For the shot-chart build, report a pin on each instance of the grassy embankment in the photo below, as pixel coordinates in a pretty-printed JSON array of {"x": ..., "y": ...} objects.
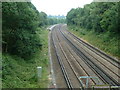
[
  {"x": 101, "y": 41},
  {"x": 18, "y": 73}
]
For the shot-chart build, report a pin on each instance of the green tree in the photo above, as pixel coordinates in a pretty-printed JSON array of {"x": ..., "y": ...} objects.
[{"x": 20, "y": 23}]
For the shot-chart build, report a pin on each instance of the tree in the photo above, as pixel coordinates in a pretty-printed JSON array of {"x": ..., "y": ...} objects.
[{"x": 20, "y": 23}]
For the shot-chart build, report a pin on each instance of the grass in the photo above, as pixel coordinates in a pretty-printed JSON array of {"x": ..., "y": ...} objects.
[
  {"x": 102, "y": 41},
  {"x": 18, "y": 73}
]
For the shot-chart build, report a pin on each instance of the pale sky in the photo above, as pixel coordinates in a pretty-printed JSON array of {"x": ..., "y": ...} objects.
[{"x": 58, "y": 7}]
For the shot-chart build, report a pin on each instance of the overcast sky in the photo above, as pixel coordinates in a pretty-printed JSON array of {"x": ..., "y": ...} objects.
[{"x": 58, "y": 7}]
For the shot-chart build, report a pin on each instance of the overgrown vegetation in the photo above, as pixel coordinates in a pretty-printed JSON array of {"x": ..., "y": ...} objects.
[
  {"x": 98, "y": 23},
  {"x": 18, "y": 73},
  {"x": 102, "y": 41},
  {"x": 24, "y": 45}
]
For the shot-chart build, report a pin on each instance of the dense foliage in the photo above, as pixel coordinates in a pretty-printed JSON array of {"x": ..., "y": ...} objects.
[
  {"x": 19, "y": 73},
  {"x": 20, "y": 22},
  {"x": 100, "y": 17}
]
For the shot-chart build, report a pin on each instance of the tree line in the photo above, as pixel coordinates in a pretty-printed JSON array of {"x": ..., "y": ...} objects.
[
  {"x": 101, "y": 17},
  {"x": 53, "y": 20}
]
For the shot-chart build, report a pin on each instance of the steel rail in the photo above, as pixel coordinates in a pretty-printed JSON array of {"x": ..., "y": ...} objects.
[
  {"x": 100, "y": 62},
  {"x": 101, "y": 73},
  {"x": 78, "y": 63},
  {"x": 70, "y": 63},
  {"x": 65, "y": 74}
]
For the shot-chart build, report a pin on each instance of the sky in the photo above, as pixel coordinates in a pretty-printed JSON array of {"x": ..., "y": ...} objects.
[{"x": 58, "y": 7}]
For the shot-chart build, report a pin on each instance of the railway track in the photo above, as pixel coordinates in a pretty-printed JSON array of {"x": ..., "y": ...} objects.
[
  {"x": 70, "y": 52},
  {"x": 58, "y": 36},
  {"x": 75, "y": 81},
  {"x": 75, "y": 60},
  {"x": 69, "y": 61},
  {"x": 100, "y": 72},
  {"x": 108, "y": 67},
  {"x": 65, "y": 74}
]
